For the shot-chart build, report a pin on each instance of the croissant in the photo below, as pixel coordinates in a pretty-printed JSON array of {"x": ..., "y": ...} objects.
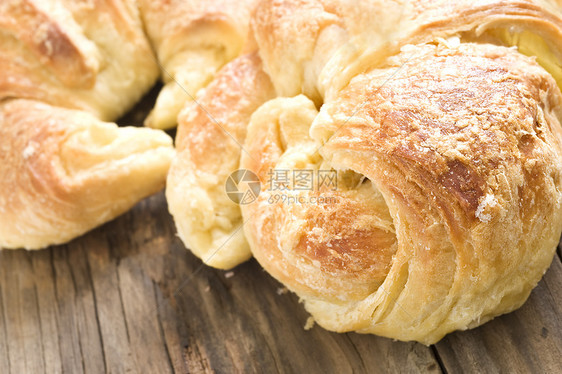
[
  {"x": 67, "y": 68},
  {"x": 73, "y": 54},
  {"x": 208, "y": 141},
  {"x": 193, "y": 40},
  {"x": 65, "y": 172},
  {"x": 439, "y": 125}
]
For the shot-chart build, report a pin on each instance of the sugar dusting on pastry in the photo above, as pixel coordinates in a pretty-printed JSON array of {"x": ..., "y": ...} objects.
[
  {"x": 488, "y": 201},
  {"x": 29, "y": 151}
]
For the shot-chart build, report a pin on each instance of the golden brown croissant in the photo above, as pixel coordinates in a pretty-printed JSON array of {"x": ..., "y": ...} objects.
[
  {"x": 75, "y": 54},
  {"x": 65, "y": 172},
  {"x": 66, "y": 66},
  {"x": 193, "y": 40},
  {"x": 444, "y": 138}
]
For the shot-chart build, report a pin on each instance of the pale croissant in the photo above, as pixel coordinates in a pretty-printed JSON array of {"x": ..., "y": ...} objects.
[
  {"x": 208, "y": 145},
  {"x": 441, "y": 121},
  {"x": 193, "y": 40}
]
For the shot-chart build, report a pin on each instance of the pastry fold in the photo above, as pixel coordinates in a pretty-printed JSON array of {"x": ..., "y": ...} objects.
[{"x": 447, "y": 210}]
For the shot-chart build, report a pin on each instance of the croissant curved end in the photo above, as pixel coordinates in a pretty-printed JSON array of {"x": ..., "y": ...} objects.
[{"x": 66, "y": 172}]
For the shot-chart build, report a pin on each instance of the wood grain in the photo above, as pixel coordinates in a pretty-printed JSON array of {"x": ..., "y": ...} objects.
[{"x": 128, "y": 298}]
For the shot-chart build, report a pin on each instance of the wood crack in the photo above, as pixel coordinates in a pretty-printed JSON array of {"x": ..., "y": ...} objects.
[
  {"x": 76, "y": 288},
  {"x": 57, "y": 300},
  {"x": 272, "y": 352},
  {"x": 356, "y": 351},
  {"x": 161, "y": 329},
  {"x": 96, "y": 313},
  {"x": 38, "y": 310},
  {"x": 438, "y": 359},
  {"x": 5, "y": 329},
  {"x": 122, "y": 304}
]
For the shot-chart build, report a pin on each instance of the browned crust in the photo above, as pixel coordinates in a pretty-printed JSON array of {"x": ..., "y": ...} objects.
[{"x": 48, "y": 41}]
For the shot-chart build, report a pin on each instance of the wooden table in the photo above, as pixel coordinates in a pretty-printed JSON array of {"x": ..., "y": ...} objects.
[{"x": 128, "y": 298}]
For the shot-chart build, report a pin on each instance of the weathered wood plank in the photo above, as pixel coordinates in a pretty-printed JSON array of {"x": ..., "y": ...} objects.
[
  {"x": 4, "y": 354},
  {"x": 528, "y": 340},
  {"x": 141, "y": 316},
  {"x": 249, "y": 326},
  {"x": 372, "y": 351},
  {"x": 174, "y": 334},
  {"x": 23, "y": 330},
  {"x": 117, "y": 353},
  {"x": 87, "y": 318},
  {"x": 129, "y": 298},
  {"x": 141, "y": 268},
  {"x": 43, "y": 275},
  {"x": 69, "y": 341}
]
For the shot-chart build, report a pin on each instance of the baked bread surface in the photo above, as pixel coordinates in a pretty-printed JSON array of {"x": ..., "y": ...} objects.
[
  {"x": 88, "y": 55},
  {"x": 208, "y": 143}
]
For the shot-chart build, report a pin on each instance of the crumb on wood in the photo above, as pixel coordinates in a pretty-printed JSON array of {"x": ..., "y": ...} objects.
[
  {"x": 207, "y": 289},
  {"x": 309, "y": 323},
  {"x": 282, "y": 290},
  {"x": 229, "y": 274}
]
